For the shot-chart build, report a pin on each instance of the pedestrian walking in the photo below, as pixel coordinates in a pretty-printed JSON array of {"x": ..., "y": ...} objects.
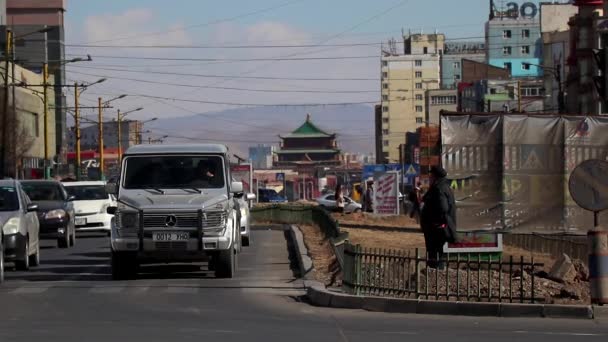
[
  {"x": 415, "y": 198},
  {"x": 369, "y": 198},
  {"x": 340, "y": 198},
  {"x": 438, "y": 216}
]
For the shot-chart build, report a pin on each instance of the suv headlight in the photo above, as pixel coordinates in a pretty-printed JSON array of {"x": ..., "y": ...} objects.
[
  {"x": 56, "y": 214},
  {"x": 11, "y": 226},
  {"x": 126, "y": 218}
]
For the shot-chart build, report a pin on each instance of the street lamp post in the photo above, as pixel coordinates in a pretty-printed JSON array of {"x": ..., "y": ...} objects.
[
  {"x": 77, "y": 87},
  {"x": 119, "y": 123}
]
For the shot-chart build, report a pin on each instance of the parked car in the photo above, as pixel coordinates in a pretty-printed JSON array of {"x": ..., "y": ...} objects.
[
  {"x": 20, "y": 227},
  {"x": 270, "y": 196},
  {"x": 328, "y": 201},
  {"x": 243, "y": 200},
  {"x": 55, "y": 210},
  {"x": 91, "y": 205}
]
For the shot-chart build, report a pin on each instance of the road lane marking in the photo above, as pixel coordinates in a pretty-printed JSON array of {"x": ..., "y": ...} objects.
[
  {"x": 106, "y": 289},
  {"x": 555, "y": 333},
  {"x": 30, "y": 290}
]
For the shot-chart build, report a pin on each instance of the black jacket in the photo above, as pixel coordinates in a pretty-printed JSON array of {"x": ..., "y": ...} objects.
[{"x": 440, "y": 208}]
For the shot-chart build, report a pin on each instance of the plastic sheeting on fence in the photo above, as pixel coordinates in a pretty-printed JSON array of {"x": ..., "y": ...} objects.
[{"x": 510, "y": 172}]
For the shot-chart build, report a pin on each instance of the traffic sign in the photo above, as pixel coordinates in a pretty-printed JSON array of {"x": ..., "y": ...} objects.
[{"x": 411, "y": 171}]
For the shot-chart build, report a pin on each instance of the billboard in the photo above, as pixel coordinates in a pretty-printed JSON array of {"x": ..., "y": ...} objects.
[
  {"x": 386, "y": 193},
  {"x": 243, "y": 173}
]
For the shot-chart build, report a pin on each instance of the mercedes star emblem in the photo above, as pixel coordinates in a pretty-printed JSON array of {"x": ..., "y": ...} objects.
[{"x": 171, "y": 221}]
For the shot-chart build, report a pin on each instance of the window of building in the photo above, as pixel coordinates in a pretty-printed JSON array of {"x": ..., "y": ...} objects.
[
  {"x": 525, "y": 33},
  {"x": 419, "y": 120},
  {"x": 385, "y": 143},
  {"x": 525, "y": 66},
  {"x": 525, "y": 50},
  {"x": 443, "y": 100},
  {"x": 384, "y": 85},
  {"x": 492, "y": 91},
  {"x": 508, "y": 66},
  {"x": 418, "y": 63},
  {"x": 425, "y": 50},
  {"x": 385, "y": 109},
  {"x": 418, "y": 74},
  {"x": 384, "y": 97},
  {"x": 384, "y": 74},
  {"x": 418, "y": 85},
  {"x": 418, "y": 97},
  {"x": 531, "y": 91},
  {"x": 384, "y": 120},
  {"x": 385, "y": 154},
  {"x": 384, "y": 63},
  {"x": 456, "y": 77},
  {"x": 456, "y": 65},
  {"x": 385, "y": 132},
  {"x": 419, "y": 109},
  {"x": 506, "y": 50},
  {"x": 506, "y": 34}
]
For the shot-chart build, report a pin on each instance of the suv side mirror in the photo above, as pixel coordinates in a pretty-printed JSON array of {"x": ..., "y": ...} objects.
[
  {"x": 32, "y": 207},
  {"x": 71, "y": 198},
  {"x": 236, "y": 187}
]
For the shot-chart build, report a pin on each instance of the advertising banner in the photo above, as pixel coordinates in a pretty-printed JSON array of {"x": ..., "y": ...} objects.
[
  {"x": 243, "y": 173},
  {"x": 386, "y": 193}
]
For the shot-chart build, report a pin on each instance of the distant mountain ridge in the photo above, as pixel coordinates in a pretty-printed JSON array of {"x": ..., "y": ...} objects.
[{"x": 241, "y": 128}]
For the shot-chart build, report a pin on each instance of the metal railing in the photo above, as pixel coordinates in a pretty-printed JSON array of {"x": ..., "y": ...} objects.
[{"x": 465, "y": 277}]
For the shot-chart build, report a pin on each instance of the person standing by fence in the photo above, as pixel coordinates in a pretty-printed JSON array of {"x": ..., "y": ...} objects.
[
  {"x": 340, "y": 198},
  {"x": 368, "y": 201},
  {"x": 438, "y": 216}
]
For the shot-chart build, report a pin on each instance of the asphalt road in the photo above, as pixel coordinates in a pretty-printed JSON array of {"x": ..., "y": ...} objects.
[{"x": 71, "y": 297}]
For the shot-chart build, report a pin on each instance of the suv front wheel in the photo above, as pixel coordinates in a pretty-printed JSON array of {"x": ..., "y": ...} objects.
[
  {"x": 225, "y": 264},
  {"x": 124, "y": 265}
]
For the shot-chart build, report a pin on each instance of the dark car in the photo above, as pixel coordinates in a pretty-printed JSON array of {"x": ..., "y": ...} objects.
[
  {"x": 270, "y": 196},
  {"x": 55, "y": 211}
]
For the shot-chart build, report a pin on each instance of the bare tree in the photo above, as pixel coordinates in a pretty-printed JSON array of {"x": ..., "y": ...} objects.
[{"x": 19, "y": 143}]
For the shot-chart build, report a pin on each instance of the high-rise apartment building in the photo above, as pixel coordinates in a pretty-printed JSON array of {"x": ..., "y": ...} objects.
[{"x": 405, "y": 79}]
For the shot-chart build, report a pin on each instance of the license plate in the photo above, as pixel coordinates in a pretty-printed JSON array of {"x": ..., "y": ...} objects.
[
  {"x": 81, "y": 221},
  {"x": 170, "y": 236}
]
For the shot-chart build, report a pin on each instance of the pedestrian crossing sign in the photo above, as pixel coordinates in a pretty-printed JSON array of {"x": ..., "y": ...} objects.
[
  {"x": 411, "y": 171},
  {"x": 531, "y": 160}
]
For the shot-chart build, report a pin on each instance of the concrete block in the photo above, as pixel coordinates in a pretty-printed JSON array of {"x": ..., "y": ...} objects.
[
  {"x": 319, "y": 296},
  {"x": 568, "y": 311},
  {"x": 563, "y": 270},
  {"x": 407, "y": 306},
  {"x": 521, "y": 310},
  {"x": 428, "y": 307},
  {"x": 479, "y": 309},
  {"x": 600, "y": 312},
  {"x": 342, "y": 301}
]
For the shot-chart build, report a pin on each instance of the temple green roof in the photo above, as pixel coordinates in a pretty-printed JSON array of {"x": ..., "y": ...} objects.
[{"x": 308, "y": 130}]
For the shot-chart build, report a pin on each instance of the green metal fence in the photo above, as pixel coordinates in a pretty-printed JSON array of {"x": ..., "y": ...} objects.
[
  {"x": 297, "y": 214},
  {"x": 412, "y": 274}
]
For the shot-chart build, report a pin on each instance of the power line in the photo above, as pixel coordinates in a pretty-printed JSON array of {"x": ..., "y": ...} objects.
[{"x": 230, "y": 60}]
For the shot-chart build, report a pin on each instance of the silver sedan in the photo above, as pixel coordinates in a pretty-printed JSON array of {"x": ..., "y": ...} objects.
[{"x": 328, "y": 201}]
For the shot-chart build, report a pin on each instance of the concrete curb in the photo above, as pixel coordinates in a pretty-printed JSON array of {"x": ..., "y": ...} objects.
[
  {"x": 319, "y": 295},
  {"x": 380, "y": 228},
  {"x": 304, "y": 260}
]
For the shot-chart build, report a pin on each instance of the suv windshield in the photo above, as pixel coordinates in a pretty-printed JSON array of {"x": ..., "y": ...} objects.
[
  {"x": 174, "y": 172},
  {"x": 8, "y": 199},
  {"x": 43, "y": 192},
  {"x": 87, "y": 192}
]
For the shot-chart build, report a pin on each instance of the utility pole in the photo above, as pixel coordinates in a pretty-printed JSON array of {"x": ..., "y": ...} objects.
[
  {"x": 118, "y": 120},
  {"x": 77, "y": 130},
  {"x": 519, "y": 96},
  {"x": 7, "y": 55},
  {"x": 45, "y": 76},
  {"x": 101, "y": 160},
  {"x": 561, "y": 106}
]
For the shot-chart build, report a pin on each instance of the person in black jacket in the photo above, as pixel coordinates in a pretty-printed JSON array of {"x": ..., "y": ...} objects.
[{"x": 438, "y": 216}]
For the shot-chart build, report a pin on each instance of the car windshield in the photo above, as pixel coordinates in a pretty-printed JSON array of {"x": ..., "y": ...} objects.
[
  {"x": 8, "y": 199},
  {"x": 174, "y": 172},
  {"x": 87, "y": 192},
  {"x": 43, "y": 192}
]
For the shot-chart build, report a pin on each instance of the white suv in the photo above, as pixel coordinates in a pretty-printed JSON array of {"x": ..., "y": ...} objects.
[{"x": 175, "y": 203}]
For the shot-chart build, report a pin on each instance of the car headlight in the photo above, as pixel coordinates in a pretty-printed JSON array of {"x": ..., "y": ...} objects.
[
  {"x": 55, "y": 214},
  {"x": 126, "y": 218},
  {"x": 104, "y": 209},
  {"x": 11, "y": 226}
]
